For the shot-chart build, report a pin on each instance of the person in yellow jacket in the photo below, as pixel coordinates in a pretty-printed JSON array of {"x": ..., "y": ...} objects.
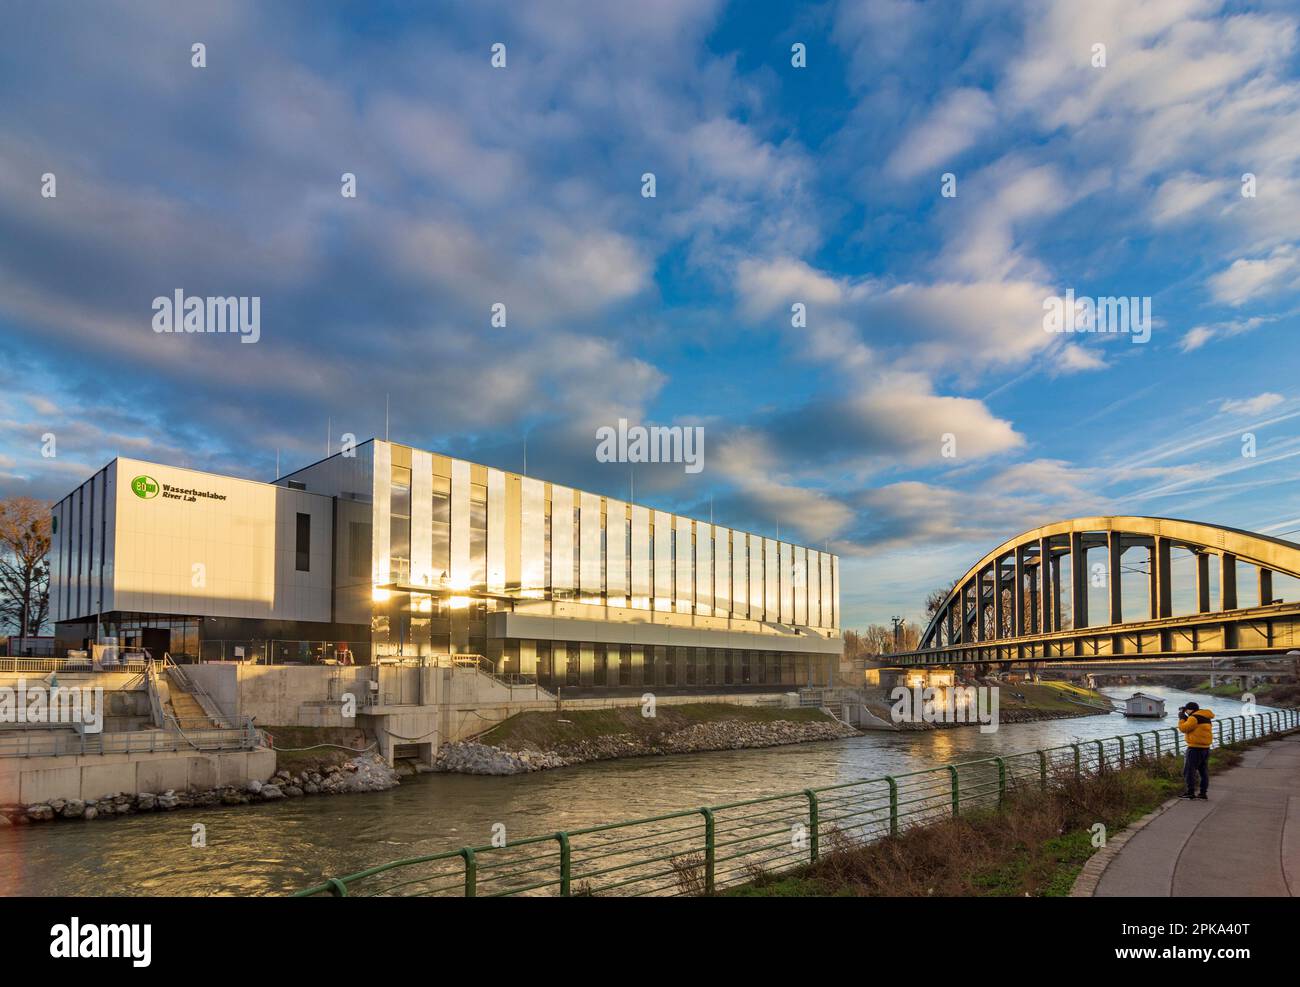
[{"x": 1196, "y": 726}]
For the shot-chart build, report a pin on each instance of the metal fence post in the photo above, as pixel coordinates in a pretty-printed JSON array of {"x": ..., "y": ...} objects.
[
  {"x": 1142, "y": 748},
  {"x": 1042, "y": 770},
  {"x": 1101, "y": 756},
  {"x": 566, "y": 875},
  {"x": 956, "y": 797},
  {"x": 471, "y": 873},
  {"x": 893, "y": 805},
  {"x": 1078, "y": 767},
  {"x": 1156, "y": 734},
  {"x": 708, "y": 850},
  {"x": 1121, "y": 751},
  {"x": 813, "y": 847},
  {"x": 1002, "y": 780}
]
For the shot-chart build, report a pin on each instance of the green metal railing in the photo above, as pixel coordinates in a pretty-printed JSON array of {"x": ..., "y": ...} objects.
[{"x": 699, "y": 851}]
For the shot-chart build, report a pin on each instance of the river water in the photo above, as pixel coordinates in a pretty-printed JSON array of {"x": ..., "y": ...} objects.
[{"x": 274, "y": 848}]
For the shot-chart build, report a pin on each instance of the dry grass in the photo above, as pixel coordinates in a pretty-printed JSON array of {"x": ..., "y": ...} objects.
[{"x": 1035, "y": 845}]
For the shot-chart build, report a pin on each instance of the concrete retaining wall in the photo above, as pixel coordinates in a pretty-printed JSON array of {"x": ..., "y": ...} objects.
[{"x": 92, "y": 776}]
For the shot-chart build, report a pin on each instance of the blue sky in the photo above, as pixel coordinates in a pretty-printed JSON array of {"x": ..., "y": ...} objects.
[{"x": 776, "y": 185}]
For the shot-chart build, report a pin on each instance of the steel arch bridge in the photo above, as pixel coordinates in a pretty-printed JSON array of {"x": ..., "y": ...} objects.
[{"x": 1010, "y": 605}]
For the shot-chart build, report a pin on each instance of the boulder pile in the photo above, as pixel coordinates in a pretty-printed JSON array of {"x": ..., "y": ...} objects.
[{"x": 469, "y": 757}]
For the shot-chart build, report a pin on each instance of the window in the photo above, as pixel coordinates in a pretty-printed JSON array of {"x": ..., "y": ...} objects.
[
  {"x": 546, "y": 550},
  {"x": 441, "y": 528},
  {"x": 399, "y": 529},
  {"x": 302, "y": 543},
  {"x": 478, "y": 524}
]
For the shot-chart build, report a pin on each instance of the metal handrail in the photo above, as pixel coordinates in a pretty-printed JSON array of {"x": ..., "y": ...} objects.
[
  {"x": 200, "y": 694},
  {"x": 51, "y": 743},
  {"x": 702, "y": 850}
]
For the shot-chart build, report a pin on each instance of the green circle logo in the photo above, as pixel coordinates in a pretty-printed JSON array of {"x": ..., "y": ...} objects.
[{"x": 144, "y": 487}]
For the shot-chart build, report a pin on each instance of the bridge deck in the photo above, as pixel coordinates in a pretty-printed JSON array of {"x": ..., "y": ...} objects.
[{"x": 1243, "y": 842}]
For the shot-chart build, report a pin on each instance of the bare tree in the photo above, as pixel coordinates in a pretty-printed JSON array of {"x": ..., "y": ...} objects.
[{"x": 24, "y": 564}]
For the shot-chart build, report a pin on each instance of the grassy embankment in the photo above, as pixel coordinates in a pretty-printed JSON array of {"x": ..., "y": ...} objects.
[
  {"x": 1282, "y": 694},
  {"x": 1049, "y": 697},
  {"x": 1027, "y": 701},
  {"x": 556, "y": 731},
  {"x": 301, "y": 749},
  {"x": 1035, "y": 845}
]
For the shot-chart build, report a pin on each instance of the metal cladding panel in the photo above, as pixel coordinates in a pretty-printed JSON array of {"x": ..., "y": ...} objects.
[
  {"x": 739, "y": 574},
  {"x": 461, "y": 574},
  {"x": 382, "y": 513},
  {"x": 835, "y": 591},
  {"x": 496, "y": 532},
  {"x": 532, "y": 541},
  {"x": 421, "y": 517},
  {"x": 772, "y": 578},
  {"x": 616, "y": 549},
  {"x": 642, "y": 587},
  {"x": 722, "y": 571},
  {"x": 757, "y": 598},
  {"x": 590, "y": 564},
  {"x": 663, "y": 560},
  {"x": 828, "y": 592},
  {"x": 704, "y": 569},
  {"x": 800, "y": 584},
  {"x": 685, "y": 602},
  {"x": 787, "y": 583},
  {"x": 815, "y": 588},
  {"x": 561, "y": 539}
]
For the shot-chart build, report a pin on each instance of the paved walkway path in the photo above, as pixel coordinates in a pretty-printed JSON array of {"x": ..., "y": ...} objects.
[{"x": 1243, "y": 842}]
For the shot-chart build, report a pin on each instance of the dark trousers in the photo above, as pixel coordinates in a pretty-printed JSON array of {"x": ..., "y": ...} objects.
[{"x": 1198, "y": 762}]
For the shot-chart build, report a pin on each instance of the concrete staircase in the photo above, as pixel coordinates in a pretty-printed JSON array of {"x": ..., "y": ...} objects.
[{"x": 190, "y": 714}]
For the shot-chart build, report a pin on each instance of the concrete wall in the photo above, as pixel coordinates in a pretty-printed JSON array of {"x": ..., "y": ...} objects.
[
  {"x": 282, "y": 695},
  {"x": 91, "y": 776}
]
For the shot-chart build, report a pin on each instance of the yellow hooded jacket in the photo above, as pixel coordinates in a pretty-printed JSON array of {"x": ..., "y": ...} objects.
[{"x": 1198, "y": 729}]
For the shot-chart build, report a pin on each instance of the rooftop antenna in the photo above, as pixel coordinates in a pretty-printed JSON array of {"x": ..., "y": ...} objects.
[
  {"x": 631, "y": 484},
  {"x": 277, "y": 463},
  {"x": 710, "y": 508}
]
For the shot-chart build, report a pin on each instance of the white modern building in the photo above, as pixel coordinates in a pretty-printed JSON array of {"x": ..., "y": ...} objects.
[{"x": 390, "y": 551}]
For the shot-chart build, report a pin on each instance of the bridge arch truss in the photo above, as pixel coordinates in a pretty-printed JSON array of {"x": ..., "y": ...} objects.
[{"x": 1010, "y": 605}]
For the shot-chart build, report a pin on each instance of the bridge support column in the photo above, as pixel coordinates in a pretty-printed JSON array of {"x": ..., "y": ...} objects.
[
  {"x": 1056, "y": 592},
  {"x": 1265, "y": 586},
  {"x": 1228, "y": 581},
  {"x": 1161, "y": 579},
  {"x": 1045, "y": 584},
  {"x": 1202, "y": 582},
  {"x": 1115, "y": 573},
  {"x": 1018, "y": 596},
  {"x": 1079, "y": 579}
]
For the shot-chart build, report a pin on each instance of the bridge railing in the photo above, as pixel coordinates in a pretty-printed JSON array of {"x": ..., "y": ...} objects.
[{"x": 700, "y": 851}]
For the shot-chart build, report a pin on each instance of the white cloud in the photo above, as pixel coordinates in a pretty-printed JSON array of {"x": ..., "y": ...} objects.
[
  {"x": 1245, "y": 279},
  {"x": 1257, "y": 405},
  {"x": 1073, "y": 359},
  {"x": 956, "y": 122}
]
